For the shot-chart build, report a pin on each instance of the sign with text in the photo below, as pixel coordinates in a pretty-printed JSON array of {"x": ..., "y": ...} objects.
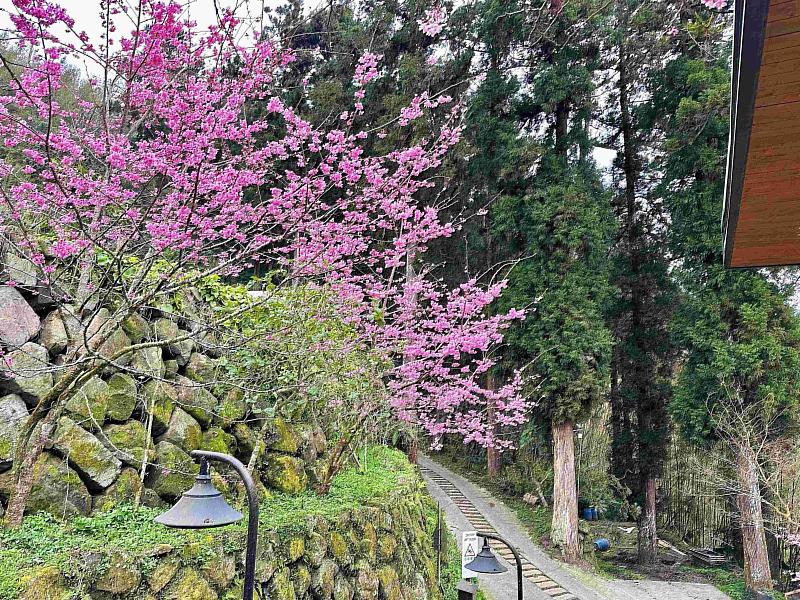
[{"x": 470, "y": 546}]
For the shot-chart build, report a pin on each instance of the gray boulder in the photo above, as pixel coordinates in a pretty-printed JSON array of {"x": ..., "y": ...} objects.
[
  {"x": 136, "y": 328},
  {"x": 13, "y": 413},
  {"x": 195, "y": 399},
  {"x": 159, "y": 398},
  {"x": 19, "y": 269},
  {"x": 147, "y": 362},
  {"x": 56, "y": 489},
  {"x": 54, "y": 333},
  {"x": 89, "y": 403},
  {"x": 183, "y": 431},
  {"x": 121, "y": 397},
  {"x": 200, "y": 368},
  {"x": 18, "y": 322},
  {"x": 96, "y": 465},
  {"x": 174, "y": 472},
  {"x": 128, "y": 442},
  {"x": 28, "y": 373},
  {"x": 101, "y": 325}
]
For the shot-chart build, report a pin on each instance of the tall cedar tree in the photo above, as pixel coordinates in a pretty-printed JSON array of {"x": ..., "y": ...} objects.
[
  {"x": 741, "y": 337},
  {"x": 643, "y": 360},
  {"x": 565, "y": 224}
]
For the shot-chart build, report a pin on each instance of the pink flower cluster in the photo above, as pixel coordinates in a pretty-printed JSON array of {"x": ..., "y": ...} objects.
[
  {"x": 433, "y": 22},
  {"x": 195, "y": 159},
  {"x": 715, "y": 4}
]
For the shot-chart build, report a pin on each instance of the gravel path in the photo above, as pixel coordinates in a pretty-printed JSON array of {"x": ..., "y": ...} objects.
[{"x": 470, "y": 508}]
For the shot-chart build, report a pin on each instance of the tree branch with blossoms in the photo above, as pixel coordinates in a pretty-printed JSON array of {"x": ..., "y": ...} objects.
[{"x": 181, "y": 162}]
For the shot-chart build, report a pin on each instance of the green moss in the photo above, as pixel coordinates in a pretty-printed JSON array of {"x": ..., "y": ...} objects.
[
  {"x": 287, "y": 440},
  {"x": 193, "y": 587},
  {"x": 339, "y": 548},
  {"x": 285, "y": 473},
  {"x": 216, "y": 440}
]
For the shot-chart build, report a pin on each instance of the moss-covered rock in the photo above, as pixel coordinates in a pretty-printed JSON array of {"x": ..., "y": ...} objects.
[
  {"x": 217, "y": 440},
  {"x": 122, "y": 491},
  {"x": 301, "y": 579},
  {"x": 295, "y": 548},
  {"x": 165, "y": 329},
  {"x": 171, "y": 368},
  {"x": 245, "y": 437},
  {"x": 121, "y": 397},
  {"x": 117, "y": 340},
  {"x": 338, "y": 548},
  {"x": 89, "y": 403},
  {"x": 316, "y": 549},
  {"x": 280, "y": 586},
  {"x": 285, "y": 473},
  {"x": 136, "y": 328},
  {"x": 27, "y": 373},
  {"x": 285, "y": 438},
  {"x": 121, "y": 576},
  {"x": 174, "y": 471},
  {"x": 196, "y": 399},
  {"x": 159, "y": 398},
  {"x": 387, "y": 544},
  {"x": 44, "y": 583},
  {"x": 96, "y": 465},
  {"x": 367, "y": 583},
  {"x": 183, "y": 431},
  {"x": 220, "y": 569},
  {"x": 323, "y": 580},
  {"x": 200, "y": 368},
  {"x": 232, "y": 408},
  {"x": 13, "y": 413},
  {"x": 369, "y": 541},
  {"x": 342, "y": 589},
  {"x": 192, "y": 586},
  {"x": 162, "y": 574},
  {"x": 128, "y": 442},
  {"x": 148, "y": 363},
  {"x": 390, "y": 588},
  {"x": 57, "y": 489}
]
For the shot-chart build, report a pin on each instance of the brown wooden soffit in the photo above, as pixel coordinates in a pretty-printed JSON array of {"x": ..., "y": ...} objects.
[{"x": 761, "y": 215}]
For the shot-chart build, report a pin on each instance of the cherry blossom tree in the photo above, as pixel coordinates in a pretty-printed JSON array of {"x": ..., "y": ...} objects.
[{"x": 176, "y": 160}]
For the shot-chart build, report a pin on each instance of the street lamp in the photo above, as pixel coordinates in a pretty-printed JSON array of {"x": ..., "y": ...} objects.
[
  {"x": 203, "y": 506},
  {"x": 486, "y": 562}
]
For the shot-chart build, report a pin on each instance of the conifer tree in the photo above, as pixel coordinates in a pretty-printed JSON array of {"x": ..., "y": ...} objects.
[{"x": 740, "y": 335}]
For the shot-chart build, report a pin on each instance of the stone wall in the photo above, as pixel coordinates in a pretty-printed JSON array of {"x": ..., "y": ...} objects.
[
  {"x": 378, "y": 551},
  {"x": 164, "y": 401}
]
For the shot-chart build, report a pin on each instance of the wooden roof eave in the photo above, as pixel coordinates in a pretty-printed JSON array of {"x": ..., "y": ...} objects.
[{"x": 748, "y": 44}]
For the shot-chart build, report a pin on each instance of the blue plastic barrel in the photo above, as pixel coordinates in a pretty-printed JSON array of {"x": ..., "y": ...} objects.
[
  {"x": 602, "y": 545},
  {"x": 595, "y": 514},
  {"x": 587, "y": 514}
]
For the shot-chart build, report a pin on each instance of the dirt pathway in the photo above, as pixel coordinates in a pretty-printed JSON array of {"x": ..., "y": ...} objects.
[{"x": 468, "y": 507}]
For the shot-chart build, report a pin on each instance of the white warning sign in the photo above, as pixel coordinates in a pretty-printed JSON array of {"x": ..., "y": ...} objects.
[{"x": 470, "y": 546}]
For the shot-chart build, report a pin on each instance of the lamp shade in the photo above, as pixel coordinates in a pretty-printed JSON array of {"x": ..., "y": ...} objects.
[
  {"x": 486, "y": 561},
  {"x": 202, "y": 506}
]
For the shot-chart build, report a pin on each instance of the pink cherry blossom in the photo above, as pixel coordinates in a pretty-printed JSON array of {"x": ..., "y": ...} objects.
[
  {"x": 433, "y": 22},
  {"x": 180, "y": 170}
]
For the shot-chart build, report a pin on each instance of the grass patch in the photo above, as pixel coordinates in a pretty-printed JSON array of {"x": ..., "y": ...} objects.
[{"x": 43, "y": 540}]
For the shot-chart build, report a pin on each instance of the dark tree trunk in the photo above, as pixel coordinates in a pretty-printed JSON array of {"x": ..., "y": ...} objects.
[
  {"x": 648, "y": 534},
  {"x": 757, "y": 574},
  {"x": 564, "y": 531},
  {"x": 492, "y": 455}
]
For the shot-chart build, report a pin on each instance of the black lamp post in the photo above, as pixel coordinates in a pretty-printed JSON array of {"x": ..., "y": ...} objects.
[
  {"x": 486, "y": 562},
  {"x": 204, "y": 506}
]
